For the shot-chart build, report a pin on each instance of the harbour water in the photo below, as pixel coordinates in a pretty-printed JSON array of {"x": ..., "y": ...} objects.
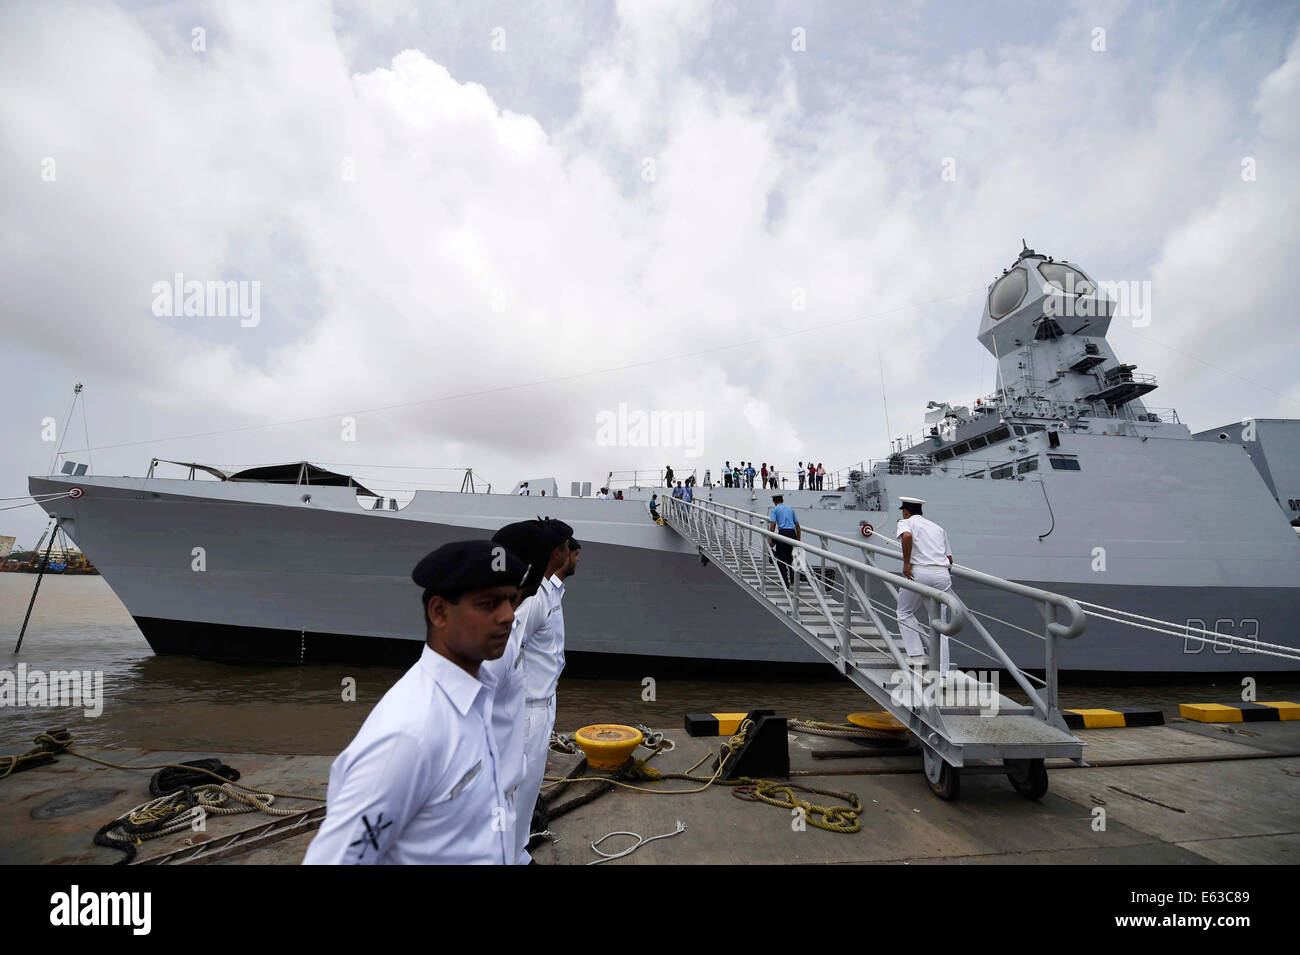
[{"x": 183, "y": 703}]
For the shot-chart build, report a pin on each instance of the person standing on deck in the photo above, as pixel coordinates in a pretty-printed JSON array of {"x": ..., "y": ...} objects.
[
  {"x": 543, "y": 661},
  {"x": 783, "y": 521},
  {"x": 424, "y": 780},
  {"x": 926, "y": 559}
]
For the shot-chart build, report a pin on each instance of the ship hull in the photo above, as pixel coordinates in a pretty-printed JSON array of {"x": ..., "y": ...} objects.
[{"x": 255, "y": 572}]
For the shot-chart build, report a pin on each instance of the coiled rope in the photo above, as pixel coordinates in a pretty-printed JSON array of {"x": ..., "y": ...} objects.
[
  {"x": 829, "y": 818},
  {"x": 640, "y": 841},
  {"x": 182, "y": 796}
]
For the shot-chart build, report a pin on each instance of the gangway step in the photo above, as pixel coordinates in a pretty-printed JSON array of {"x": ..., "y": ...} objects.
[{"x": 1007, "y": 729}]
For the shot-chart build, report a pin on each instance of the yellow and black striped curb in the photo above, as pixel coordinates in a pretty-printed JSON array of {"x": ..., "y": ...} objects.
[
  {"x": 1096, "y": 719},
  {"x": 1239, "y": 712},
  {"x": 713, "y": 724}
]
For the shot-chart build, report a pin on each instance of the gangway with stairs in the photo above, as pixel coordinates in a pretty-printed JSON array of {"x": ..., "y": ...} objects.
[{"x": 964, "y": 724}]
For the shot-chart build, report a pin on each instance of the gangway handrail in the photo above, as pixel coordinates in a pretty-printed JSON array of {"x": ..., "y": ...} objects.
[
  {"x": 1078, "y": 619},
  {"x": 1047, "y": 708},
  {"x": 956, "y": 608},
  {"x": 694, "y": 514}
]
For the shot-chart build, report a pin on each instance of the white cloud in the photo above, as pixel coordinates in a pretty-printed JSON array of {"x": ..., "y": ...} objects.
[{"x": 381, "y": 291}]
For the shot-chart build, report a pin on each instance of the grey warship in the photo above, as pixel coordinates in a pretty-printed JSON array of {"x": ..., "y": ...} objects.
[{"x": 1064, "y": 478}]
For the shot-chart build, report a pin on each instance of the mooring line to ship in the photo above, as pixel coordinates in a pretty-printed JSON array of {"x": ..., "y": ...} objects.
[
  {"x": 1189, "y": 632},
  {"x": 47, "y": 498}
]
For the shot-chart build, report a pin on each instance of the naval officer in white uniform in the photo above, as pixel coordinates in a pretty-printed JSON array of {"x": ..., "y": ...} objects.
[
  {"x": 926, "y": 559},
  {"x": 423, "y": 782},
  {"x": 535, "y": 541},
  {"x": 543, "y": 664}
]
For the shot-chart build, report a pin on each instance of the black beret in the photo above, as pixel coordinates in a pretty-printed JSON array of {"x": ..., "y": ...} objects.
[
  {"x": 469, "y": 565},
  {"x": 525, "y": 538},
  {"x": 556, "y": 531},
  {"x": 528, "y": 539}
]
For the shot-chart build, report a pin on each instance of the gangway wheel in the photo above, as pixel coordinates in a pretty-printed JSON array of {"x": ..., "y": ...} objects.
[
  {"x": 1028, "y": 776},
  {"x": 944, "y": 780}
]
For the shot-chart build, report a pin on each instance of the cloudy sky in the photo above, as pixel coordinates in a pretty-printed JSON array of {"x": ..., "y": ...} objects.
[{"x": 475, "y": 227}]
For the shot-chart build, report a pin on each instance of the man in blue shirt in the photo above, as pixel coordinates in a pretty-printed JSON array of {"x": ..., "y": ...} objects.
[
  {"x": 782, "y": 521},
  {"x": 687, "y": 493}
]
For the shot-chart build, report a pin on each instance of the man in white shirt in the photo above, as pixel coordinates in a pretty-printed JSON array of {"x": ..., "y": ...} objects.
[
  {"x": 926, "y": 559},
  {"x": 543, "y": 664},
  {"x": 423, "y": 780},
  {"x": 540, "y": 544},
  {"x": 523, "y": 489}
]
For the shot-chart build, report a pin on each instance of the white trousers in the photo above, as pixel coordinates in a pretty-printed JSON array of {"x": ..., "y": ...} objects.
[
  {"x": 539, "y": 720},
  {"x": 909, "y": 602}
]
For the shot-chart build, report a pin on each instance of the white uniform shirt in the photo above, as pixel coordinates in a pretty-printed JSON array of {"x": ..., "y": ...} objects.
[
  {"x": 544, "y": 656},
  {"x": 421, "y": 783},
  {"x": 507, "y": 676},
  {"x": 929, "y": 541}
]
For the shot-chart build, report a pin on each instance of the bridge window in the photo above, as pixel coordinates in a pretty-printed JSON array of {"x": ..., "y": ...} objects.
[
  {"x": 1027, "y": 464},
  {"x": 978, "y": 442},
  {"x": 1002, "y": 471},
  {"x": 1064, "y": 462},
  {"x": 1007, "y": 293},
  {"x": 943, "y": 455},
  {"x": 999, "y": 434}
]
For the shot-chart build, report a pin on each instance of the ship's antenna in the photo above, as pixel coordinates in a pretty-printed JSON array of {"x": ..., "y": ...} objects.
[
  {"x": 889, "y": 434},
  {"x": 85, "y": 428},
  {"x": 63, "y": 429}
]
